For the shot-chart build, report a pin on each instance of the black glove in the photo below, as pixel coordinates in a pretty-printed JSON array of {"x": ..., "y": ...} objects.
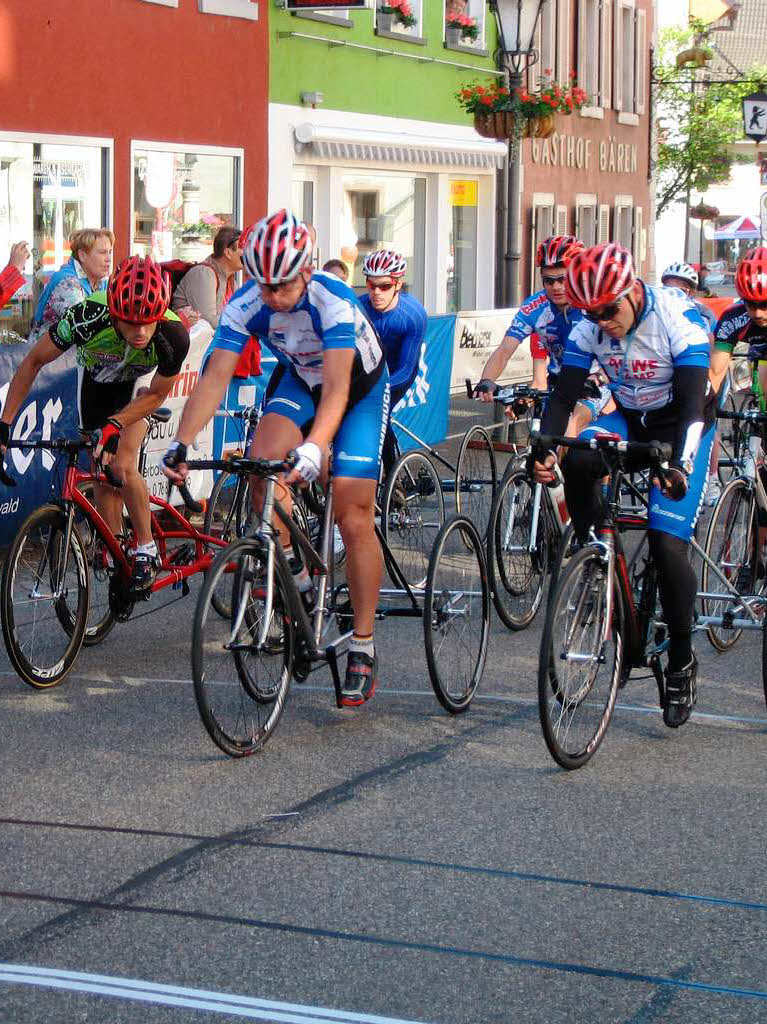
[
  {"x": 676, "y": 482},
  {"x": 108, "y": 437},
  {"x": 5, "y": 434},
  {"x": 175, "y": 455},
  {"x": 485, "y": 387}
]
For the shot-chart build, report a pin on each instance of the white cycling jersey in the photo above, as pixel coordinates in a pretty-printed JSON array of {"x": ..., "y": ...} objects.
[{"x": 639, "y": 368}]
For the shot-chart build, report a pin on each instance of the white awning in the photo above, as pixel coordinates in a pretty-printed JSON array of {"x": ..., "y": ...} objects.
[{"x": 466, "y": 149}]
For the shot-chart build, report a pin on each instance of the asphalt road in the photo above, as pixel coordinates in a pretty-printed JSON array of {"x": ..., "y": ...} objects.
[{"x": 390, "y": 863}]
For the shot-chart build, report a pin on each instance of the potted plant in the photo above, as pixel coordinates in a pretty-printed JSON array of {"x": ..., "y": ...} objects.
[
  {"x": 460, "y": 27},
  {"x": 393, "y": 13},
  {"x": 522, "y": 112}
]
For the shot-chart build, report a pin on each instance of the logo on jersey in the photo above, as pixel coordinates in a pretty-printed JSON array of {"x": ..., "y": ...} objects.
[{"x": 64, "y": 331}]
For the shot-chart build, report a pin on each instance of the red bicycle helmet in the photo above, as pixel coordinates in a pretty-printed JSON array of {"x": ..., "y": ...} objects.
[
  {"x": 278, "y": 248},
  {"x": 599, "y": 275},
  {"x": 751, "y": 276},
  {"x": 138, "y": 291},
  {"x": 383, "y": 262},
  {"x": 559, "y": 249}
]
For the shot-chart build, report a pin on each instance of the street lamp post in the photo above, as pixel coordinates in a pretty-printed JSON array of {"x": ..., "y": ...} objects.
[{"x": 517, "y": 21}]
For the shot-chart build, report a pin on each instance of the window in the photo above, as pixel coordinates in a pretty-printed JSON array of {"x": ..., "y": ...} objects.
[
  {"x": 552, "y": 41},
  {"x": 47, "y": 191},
  {"x": 232, "y": 8},
  {"x": 462, "y": 259},
  {"x": 595, "y": 61},
  {"x": 473, "y": 9},
  {"x": 389, "y": 23},
  {"x": 542, "y": 225},
  {"x": 386, "y": 211},
  {"x": 623, "y": 224},
  {"x": 181, "y": 198},
  {"x": 586, "y": 218},
  {"x": 630, "y": 78}
]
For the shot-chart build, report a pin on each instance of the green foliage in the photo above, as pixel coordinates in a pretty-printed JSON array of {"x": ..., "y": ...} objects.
[{"x": 698, "y": 122}]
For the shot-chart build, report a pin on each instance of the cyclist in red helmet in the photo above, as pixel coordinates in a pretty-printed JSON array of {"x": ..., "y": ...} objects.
[
  {"x": 745, "y": 321},
  {"x": 653, "y": 346},
  {"x": 120, "y": 335}
]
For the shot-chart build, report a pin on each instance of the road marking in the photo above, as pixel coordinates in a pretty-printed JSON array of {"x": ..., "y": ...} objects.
[{"x": 194, "y": 998}]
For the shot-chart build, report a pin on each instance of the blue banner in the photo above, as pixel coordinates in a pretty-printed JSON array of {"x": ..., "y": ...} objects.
[{"x": 425, "y": 407}]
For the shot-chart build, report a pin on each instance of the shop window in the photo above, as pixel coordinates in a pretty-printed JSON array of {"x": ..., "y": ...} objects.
[
  {"x": 386, "y": 211},
  {"x": 586, "y": 219},
  {"x": 181, "y": 198},
  {"x": 47, "y": 191},
  {"x": 462, "y": 259},
  {"x": 231, "y": 8}
]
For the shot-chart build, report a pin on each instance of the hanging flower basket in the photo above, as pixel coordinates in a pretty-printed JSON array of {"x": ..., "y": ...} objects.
[
  {"x": 540, "y": 127},
  {"x": 497, "y": 124}
]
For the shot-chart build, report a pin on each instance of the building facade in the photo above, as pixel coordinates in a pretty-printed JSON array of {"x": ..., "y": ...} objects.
[
  {"x": 592, "y": 177},
  {"x": 367, "y": 141},
  {"x": 143, "y": 130}
]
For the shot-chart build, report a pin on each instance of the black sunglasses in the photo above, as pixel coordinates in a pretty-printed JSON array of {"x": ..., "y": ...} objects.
[
  {"x": 552, "y": 280},
  {"x": 755, "y": 305},
  {"x": 597, "y": 316}
]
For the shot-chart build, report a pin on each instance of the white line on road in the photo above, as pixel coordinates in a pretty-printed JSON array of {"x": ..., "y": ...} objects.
[{"x": 197, "y": 999}]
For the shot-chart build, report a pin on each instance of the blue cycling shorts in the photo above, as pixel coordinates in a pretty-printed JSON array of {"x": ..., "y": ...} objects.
[
  {"x": 359, "y": 439},
  {"x": 665, "y": 515}
]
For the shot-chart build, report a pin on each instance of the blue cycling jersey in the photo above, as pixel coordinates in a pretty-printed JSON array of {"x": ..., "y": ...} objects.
[
  {"x": 328, "y": 316},
  {"x": 401, "y": 331},
  {"x": 538, "y": 315}
]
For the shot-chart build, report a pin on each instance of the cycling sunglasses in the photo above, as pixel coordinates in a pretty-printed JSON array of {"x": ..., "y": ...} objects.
[
  {"x": 552, "y": 280},
  {"x": 598, "y": 316},
  {"x": 379, "y": 287},
  {"x": 756, "y": 305}
]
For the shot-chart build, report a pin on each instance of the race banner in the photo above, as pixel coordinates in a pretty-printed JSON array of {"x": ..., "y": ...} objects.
[
  {"x": 477, "y": 336},
  {"x": 424, "y": 408}
]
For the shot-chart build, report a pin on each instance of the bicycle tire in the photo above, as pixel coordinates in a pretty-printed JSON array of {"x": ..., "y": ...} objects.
[
  {"x": 240, "y": 693},
  {"x": 729, "y": 442},
  {"x": 31, "y": 572},
  {"x": 457, "y": 601},
  {"x": 412, "y": 513},
  {"x": 476, "y": 478},
  {"x": 517, "y": 577},
  {"x": 732, "y": 544},
  {"x": 101, "y": 618},
  {"x": 574, "y": 718}
]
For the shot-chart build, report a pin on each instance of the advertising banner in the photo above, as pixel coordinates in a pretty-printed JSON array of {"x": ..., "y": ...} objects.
[
  {"x": 477, "y": 335},
  {"x": 423, "y": 409}
]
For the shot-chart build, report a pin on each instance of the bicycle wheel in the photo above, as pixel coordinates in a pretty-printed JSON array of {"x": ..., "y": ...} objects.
[
  {"x": 517, "y": 574},
  {"x": 476, "y": 476},
  {"x": 226, "y": 516},
  {"x": 456, "y": 614},
  {"x": 101, "y": 619},
  {"x": 241, "y": 670},
  {"x": 581, "y": 661},
  {"x": 732, "y": 544},
  {"x": 728, "y": 432},
  {"x": 412, "y": 512},
  {"x": 44, "y": 598}
]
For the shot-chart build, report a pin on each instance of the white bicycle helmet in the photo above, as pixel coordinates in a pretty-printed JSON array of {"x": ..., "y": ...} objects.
[
  {"x": 277, "y": 248},
  {"x": 681, "y": 270},
  {"x": 383, "y": 262}
]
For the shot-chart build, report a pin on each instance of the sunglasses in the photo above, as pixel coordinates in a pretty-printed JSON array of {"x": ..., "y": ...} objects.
[
  {"x": 379, "y": 287},
  {"x": 552, "y": 280},
  {"x": 598, "y": 316},
  {"x": 756, "y": 305}
]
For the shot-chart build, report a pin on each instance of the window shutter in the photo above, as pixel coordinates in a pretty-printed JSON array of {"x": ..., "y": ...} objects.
[
  {"x": 637, "y": 251},
  {"x": 563, "y": 40},
  {"x": 583, "y": 51},
  {"x": 605, "y": 53},
  {"x": 604, "y": 225},
  {"x": 618, "y": 62},
  {"x": 561, "y": 221},
  {"x": 548, "y": 39},
  {"x": 640, "y": 59}
]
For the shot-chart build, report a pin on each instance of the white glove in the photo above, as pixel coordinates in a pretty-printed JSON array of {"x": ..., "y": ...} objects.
[{"x": 308, "y": 461}]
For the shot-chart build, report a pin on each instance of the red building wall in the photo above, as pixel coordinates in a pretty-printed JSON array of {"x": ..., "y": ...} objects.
[{"x": 127, "y": 69}]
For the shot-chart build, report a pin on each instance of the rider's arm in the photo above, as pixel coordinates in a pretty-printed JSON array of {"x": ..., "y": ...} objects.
[
  {"x": 410, "y": 349},
  {"x": 40, "y": 355},
  {"x": 540, "y": 376},
  {"x": 151, "y": 398},
  {"x": 720, "y": 360},
  {"x": 567, "y": 390},
  {"x": 207, "y": 394},
  {"x": 690, "y": 384},
  {"x": 496, "y": 364}
]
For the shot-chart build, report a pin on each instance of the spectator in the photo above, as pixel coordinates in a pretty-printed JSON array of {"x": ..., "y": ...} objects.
[
  {"x": 12, "y": 277},
  {"x": 85, "y": 272},
  {"x": 338, "y": 268},
  {"x": 206, "y": 286}
]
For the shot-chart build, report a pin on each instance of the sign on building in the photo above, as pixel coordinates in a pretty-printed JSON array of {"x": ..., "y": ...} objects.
[{"x": 755, "y": 116}]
